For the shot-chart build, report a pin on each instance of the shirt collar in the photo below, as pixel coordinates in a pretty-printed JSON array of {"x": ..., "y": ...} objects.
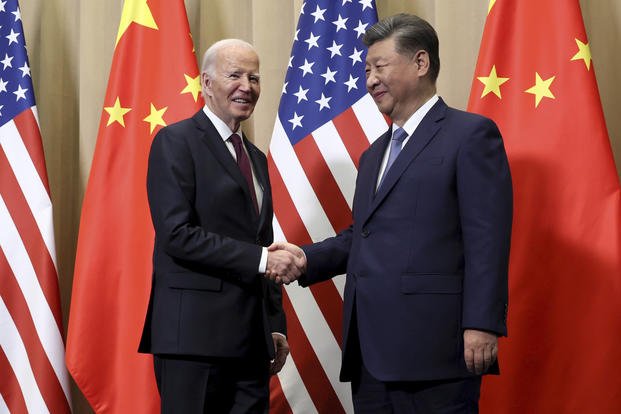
[
  {"x": 412, "y": 123},
  {"x": 222, "y": 128}
]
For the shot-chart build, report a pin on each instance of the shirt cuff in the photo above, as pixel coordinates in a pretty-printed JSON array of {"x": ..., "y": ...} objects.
[{"x": 263, "y": 262}]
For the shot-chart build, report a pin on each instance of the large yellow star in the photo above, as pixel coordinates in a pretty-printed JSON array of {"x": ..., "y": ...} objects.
[
  {"x": 584, "y": 53},
  {"x": 155, "y": 118},
  {"x": 541, "y": 89},
  {"x": 491, "y": 4},
  {"x": 135, "y": 11},
  {"x": 193, "y": 86},
  {"x": 116, "y": 113},
  {"x": 492, "y": 83}
]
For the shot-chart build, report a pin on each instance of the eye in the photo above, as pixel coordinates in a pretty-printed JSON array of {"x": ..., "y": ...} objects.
[{"x": 254, "y": 79}]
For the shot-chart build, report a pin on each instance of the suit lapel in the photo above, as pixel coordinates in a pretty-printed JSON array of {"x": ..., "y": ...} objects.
[
  {"x": 261, "y": 175},
  {"x": 211, "y": 137},
  {"x": 423, "y": 134},
  {"x": 369, "y": 173}
]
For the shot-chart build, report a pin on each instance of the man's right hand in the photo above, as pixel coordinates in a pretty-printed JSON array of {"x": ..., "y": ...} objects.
[{"x": 287, "y": 263}]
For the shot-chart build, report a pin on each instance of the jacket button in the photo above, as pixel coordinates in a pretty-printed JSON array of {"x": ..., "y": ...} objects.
[{"x": 364, "y": 233}]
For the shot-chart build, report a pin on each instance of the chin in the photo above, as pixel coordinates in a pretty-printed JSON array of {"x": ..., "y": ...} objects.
[
  {"x": 385, "y": 109},
  {"x": 242, "y": 109}
]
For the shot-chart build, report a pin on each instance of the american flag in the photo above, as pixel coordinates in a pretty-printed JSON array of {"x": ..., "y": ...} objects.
[
  {"x": 325, "y": 121},
  {"x": 33, "y": 377}
]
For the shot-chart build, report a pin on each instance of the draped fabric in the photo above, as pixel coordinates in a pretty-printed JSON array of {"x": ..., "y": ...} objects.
[
  {"x": 71, "y": 43},
  {"x": 565, "y": 264}
]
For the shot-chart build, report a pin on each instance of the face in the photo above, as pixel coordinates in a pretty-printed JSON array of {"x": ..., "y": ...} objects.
[
  {"x": 232, "y": 89},
  {"x": 394, "y": 80}
]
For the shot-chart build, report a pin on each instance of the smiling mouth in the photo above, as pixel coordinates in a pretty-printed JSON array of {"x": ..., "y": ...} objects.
[
  {"x": 378, "y": 95},
  {"x": 241, "y": 101}
]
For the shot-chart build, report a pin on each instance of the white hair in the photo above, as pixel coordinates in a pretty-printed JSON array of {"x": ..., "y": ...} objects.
[{"x": 209, "y": 58}]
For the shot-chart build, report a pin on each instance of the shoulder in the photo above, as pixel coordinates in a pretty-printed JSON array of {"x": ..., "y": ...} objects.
[
  {"x": 468, "y": 119},
  {"x": 184, "y": 126},
  {"x": 181, "y": 131},
  {"x": 172, "y": 141}
]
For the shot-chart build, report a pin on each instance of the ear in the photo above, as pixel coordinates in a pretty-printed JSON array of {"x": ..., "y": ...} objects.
[
  {"x": 206, "y": 84},
  {"x": 421, "y": 60}
]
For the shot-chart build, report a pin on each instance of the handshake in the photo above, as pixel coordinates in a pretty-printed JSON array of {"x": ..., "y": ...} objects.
[{"x": 286, "y": 262}]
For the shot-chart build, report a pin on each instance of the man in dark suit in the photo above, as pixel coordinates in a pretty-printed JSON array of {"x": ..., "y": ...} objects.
[
  {"x": 427, "y": 254},
  {"x": 214, "y": 321}
]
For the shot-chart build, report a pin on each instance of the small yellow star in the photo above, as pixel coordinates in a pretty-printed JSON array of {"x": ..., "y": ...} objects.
[
  {"x": 541, "y": 89},
  {"x": 584, "y": 53},
  {"x": 491, "y": 4},
  {"x": 135, "y": 11},
  {"x": 155, "y": 118},
  {"x": 116, "y": 113},
  {"x": 193, "y": 86},
  {"x": 492, "y": 83}
]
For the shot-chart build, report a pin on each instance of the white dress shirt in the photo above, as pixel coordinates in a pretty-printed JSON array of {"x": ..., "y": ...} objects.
[
  {"x": 225, "y": 132},
  {"x": 410, "y": 126}
]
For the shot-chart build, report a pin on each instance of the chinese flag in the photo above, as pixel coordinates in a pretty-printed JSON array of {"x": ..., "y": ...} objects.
[
  {"x": 154, "y": 81},
  {"x": 536, "y": 79}
]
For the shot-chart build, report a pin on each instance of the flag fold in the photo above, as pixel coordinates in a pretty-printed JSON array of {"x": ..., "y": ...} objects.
[{"x": 154, "y": 81}]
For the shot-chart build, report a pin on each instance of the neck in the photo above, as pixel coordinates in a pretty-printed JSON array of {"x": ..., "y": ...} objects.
[
  {"x": 423, "y": 96},
  {"x": 233, "y": 124}
]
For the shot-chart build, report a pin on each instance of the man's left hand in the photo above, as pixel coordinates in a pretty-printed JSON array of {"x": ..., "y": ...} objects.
[
  {"x": 282, "y": 350},
  {"x": 480, "y": 350}
]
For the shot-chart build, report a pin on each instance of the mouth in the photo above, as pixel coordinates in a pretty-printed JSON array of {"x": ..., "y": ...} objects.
[
  {"x": 242, "y": 101},
  {"x": 378, "y": 95}
]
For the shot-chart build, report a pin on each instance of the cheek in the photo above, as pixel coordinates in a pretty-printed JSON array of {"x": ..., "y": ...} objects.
[{"x": 388, "y": 79}]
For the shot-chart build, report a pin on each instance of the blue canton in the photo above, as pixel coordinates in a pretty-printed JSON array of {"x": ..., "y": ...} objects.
[
  {"x": 326, "y": 72},
  {"x": 16, "y": 91}
]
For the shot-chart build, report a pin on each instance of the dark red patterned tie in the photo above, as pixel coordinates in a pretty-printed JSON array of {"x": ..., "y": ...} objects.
[{"x": 244, "y": 165}]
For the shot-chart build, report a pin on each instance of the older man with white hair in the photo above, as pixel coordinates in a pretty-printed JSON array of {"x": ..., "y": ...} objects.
[{"x": 215, "y": 324}]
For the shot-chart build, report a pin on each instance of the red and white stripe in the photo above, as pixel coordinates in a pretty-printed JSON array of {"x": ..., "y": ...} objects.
[
  {"x": 33, "y": 374},
  {"x": 313, "y": 187}
]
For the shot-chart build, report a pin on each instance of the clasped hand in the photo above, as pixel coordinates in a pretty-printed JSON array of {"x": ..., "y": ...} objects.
[{"x": 286, "y": 262}]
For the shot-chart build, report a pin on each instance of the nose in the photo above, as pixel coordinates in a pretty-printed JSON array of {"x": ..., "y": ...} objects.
[
  {"x": 372, "y": 80},
  {"x": 244, "y": 83}
]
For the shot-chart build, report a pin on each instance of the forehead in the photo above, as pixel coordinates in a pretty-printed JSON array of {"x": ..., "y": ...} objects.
[
  {"x": 382, "y": 49},
  {"x": 238, "y": 58}
]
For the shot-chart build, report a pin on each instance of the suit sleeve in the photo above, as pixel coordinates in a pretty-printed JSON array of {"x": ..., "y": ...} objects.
[
  {"x": 171, "y": 191},
  {"x": 275, "y": 311},
  {"x": 327, "y": 258},
  {"x": 485, "y": 207}
]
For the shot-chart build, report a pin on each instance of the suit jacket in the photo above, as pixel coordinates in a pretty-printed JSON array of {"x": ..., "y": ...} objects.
[
  {"x": 207, "y": 298},
  {"x": 427, "y": 254}
]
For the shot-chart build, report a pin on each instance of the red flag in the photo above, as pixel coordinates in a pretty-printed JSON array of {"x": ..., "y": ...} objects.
[
  {"x": 535, "y": 78},
  {"x": 33, "y": 377},
  {"x": 154, "y": 81}
]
